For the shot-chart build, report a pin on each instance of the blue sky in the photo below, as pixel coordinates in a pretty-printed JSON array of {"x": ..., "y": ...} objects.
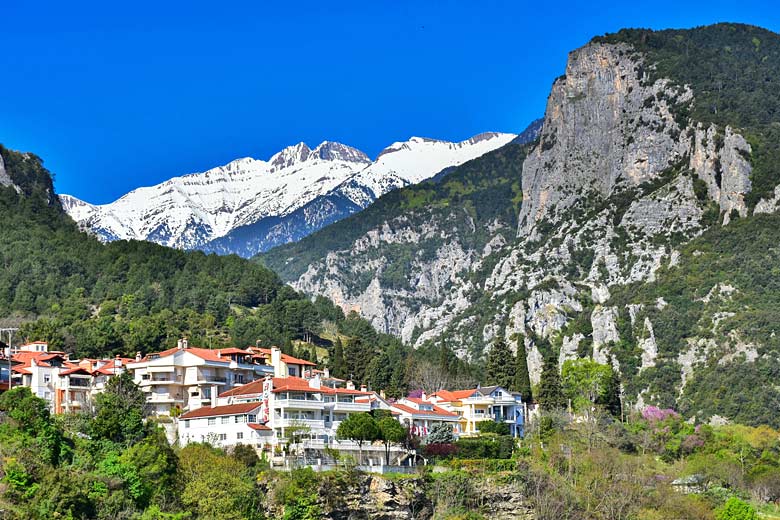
[{"x": 116, "y": 95}]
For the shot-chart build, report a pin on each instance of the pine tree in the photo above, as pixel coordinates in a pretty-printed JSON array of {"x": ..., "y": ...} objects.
[
  {"x": 500, "y": 365},
  {"x": 522, "y": 379},
  {"x": 550, "y": 395}
]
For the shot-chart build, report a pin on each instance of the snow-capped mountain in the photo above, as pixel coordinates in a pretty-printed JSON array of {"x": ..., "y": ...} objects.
[{"x": 250, "y": 205}]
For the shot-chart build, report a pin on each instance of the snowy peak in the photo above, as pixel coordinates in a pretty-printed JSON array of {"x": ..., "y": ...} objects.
[
  {"x": 290, "y": 156},
  {"x": 294, "y": 193},
  {"x": 76, "y": 208},
  {"x": 330, "y": 151}
]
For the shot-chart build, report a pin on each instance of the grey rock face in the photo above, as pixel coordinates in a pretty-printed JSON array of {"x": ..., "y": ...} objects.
[
  {"x": 5, "y": 179},
  {"x": 599, "y": 132}
]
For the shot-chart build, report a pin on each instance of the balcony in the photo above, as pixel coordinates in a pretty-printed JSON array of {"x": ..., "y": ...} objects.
[
  {"x": 299, "y": 404},
  {"x": 292, "y": 423},
  {"x": 351, "y": 407},
  {"x": 163, "y": 398}
]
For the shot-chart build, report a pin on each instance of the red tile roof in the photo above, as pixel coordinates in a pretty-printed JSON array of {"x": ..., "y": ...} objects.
[
  {"x": 74, "y": 370},
  {"x": 259, "y": 427},
  {"x": 454, "y": 395},
  {"x": 230, "y": 409},
  {"x": 437, "y": 412},
  {"x": 286, "y": 358},
  {"x": 285, "y": 384}
]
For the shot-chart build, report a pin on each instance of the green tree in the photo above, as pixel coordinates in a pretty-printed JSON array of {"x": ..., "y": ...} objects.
[
  {"x": 120, "y": 411},
  {"x": 585, "y": 382},
  {"x": 500, "y": 366},
  {"x": 610, "y": 398},
  {"x": 522, "y": 379},
  {"x": 338, "y": 365},
  {"x": 736, "y": 509},
  {"x": 359, "y": 427},
  {"x": 550, "y": 393},
  {"x": 215, "y": 484},
  {"x": 390, "y": 432},
  {"x": 440, "y": 434}
]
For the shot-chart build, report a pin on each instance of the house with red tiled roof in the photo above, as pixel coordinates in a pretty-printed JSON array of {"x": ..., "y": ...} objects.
[
  {"x": 225, "y": 426},
  {"x": 187, "y": 378},
  {"x": 292, "y": 404},
  {"x": 52, "y": 377},
  {"x": 420, "y": 416},
  {"x": 488, "y": 403}
]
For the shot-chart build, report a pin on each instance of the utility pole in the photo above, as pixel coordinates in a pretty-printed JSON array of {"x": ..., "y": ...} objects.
[{"x": 10, "y": 332}]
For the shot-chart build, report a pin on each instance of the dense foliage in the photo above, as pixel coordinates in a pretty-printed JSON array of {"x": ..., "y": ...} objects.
[{"x": 730, "y": 272}]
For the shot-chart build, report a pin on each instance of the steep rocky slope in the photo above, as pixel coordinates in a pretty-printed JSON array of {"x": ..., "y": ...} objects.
[
  {"x": 643, "y": 149},
  {"x": 251, "y": 205}
]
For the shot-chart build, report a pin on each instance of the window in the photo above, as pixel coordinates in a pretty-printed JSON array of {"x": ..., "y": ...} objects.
[
  {"x": 240, "y": 418},
  {"x": 240, "y": 378},
  {"x": 252, "y": 418},
  {"x": 212, "y": 421},
  {"x": 206, "y": 392},
  {"x": 240, "y": 435},
  {"x": 225, "y": 420},
  {"x": 222, "y": 436},
  {"x": 47, "y": 378},
  {"x": 187, "y": 423}
]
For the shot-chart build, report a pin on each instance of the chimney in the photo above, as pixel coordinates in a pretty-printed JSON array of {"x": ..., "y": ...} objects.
[
  {"x": 276, "y": 362},
  {"x": 315, "y": 382},
  {"x": 350, "y": 385},
  {"x": 382, "y": 394},
  {"x": 185, "y": 343},
  {"x": 326, "y": 373},
  {"x": 363, "y": 388},
  {"x": 424, "y": 396},
  {"x": 117, "y": 361},
  {"x": 180, "y": 344},
  {"x": 138, "y": 356}
]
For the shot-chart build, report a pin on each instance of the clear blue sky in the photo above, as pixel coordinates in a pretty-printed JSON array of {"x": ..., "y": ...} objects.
[{"x": 116, "y": 95}]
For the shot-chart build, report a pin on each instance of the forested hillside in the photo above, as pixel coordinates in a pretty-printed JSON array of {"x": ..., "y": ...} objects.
[{"x": 92, "y": 299}]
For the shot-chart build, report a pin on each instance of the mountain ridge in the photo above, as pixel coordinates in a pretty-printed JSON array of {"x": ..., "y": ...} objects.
[{"x": 243, "y": 206}]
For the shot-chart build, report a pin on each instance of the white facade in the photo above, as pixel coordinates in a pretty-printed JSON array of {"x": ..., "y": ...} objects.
[
  {"x": 186, "y": 378},
  {"x": 224, "y": 426}
]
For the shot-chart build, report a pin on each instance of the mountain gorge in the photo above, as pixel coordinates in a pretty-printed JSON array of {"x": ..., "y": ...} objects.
[
  {"x": 639, "y": 229},
  {"x": 250, "y": 205}
]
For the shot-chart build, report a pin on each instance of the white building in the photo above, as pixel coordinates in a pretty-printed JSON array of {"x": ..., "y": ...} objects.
[
  {"x": 187, "y": 378},
  {"x": 51, "y": 376},
  {"x": 225, "y": 426}
]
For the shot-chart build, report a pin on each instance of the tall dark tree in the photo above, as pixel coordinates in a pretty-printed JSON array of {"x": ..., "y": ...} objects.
[
  {"x": 550, "y": 394},
  {"x": 610, "y": 398},
  {"x": 522, "y": 379},
  {"x": 500, "y": 365},
  {"x": 337, "y": 364}
]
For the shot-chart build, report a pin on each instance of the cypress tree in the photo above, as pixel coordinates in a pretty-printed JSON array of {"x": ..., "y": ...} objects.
[
  {"x": 522, "y": 380},
  {"x": 500, "y": 365},
  {"x": 550, "y": 395},
  {"x": 610, "y": 396},
  {"x": 338, "y": 365}
]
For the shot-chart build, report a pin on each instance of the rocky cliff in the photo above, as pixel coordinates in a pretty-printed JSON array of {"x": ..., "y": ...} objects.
[{"x": 638, "y": 171}]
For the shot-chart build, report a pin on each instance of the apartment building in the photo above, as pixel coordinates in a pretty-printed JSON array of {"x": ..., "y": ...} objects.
[
  {"x": 489, "y": 403},
  {"x": 52, "y": 376},
  {"x": 304, "y": 408},
  {"x": 187, "y": 378}
]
